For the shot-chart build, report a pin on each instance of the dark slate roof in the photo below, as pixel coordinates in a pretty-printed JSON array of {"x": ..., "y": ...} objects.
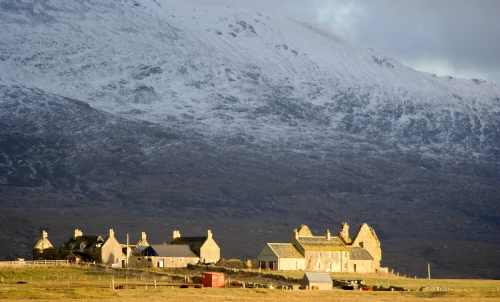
[
  {"x": 89, "y": 240},
  {"x": 321, "y": 243},
  {"x": 195, "y": 242},
  {"x": 358, "y": 253},
  {"x": 169, "y": 250},
  {"x": 318, "y": 277},
  {"x": 138, "y": 250},
  {"x": 285, "y": 250}
]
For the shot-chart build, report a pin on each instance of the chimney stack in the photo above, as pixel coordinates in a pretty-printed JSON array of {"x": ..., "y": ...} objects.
[
  {"x": 327, "y": 234},
  {"x": 209, "y": 234},
  {"x": 111, "y": 233},
  {"x": 77, "y": 233},
  {"x": 176, "y": 234}
]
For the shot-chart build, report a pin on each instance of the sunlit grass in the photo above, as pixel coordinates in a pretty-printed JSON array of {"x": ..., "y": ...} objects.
[{"x": 52, "y": 284}]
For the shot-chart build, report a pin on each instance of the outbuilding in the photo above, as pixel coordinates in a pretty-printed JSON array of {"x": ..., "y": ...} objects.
[
  {"x": 165, "y": 255},
  {"x": 211, "y": 279},
  {"x": 321, "y": 281}
]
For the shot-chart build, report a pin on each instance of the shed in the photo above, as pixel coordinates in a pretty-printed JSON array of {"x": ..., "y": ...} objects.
[
  {"x": 211, "y": 279},
  {"x": 322, "y": 280}
]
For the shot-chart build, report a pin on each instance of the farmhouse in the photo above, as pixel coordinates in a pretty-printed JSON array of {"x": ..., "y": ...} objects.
[
  {"x": 325, "y": 253},
  {"x": 80, "y": 248},
  {"x": 179, "y": 253},
  {"x": 205, "y": 247},
  {"x": 165, "y": 255}
]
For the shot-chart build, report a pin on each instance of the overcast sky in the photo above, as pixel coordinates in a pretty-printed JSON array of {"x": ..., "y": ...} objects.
[{"x": 460, "y": 38}]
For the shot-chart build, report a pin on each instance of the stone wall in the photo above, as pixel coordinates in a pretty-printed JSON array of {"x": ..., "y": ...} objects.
[
  {"x": 111, "y": 251},
  {"x": 324, "y": 261},
  {"x": 152, "y": 261},
  {"x": 367, "y": 239},
  {"x": 210, "y": 251}
]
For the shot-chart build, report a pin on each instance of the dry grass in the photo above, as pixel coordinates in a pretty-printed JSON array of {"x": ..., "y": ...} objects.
[{"x": 63, "y": 284}]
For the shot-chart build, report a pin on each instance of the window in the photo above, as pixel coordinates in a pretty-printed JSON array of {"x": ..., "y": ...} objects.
[
  {"x": 319, "y": 265},
  {"x": 262, "y": 264},
  {"x": 182, "y": 259},
  {"x": 319, "y": 254},
  {"x": 149, "y": 259},
  {"x": 345, "y": 266},
  {"x": 329, "y": 254},
  {"x": 345, "y": 254},
  {"x": 330, "y": 266}
]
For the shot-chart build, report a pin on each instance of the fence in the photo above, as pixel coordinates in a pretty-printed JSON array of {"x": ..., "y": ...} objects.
[{"x": 33, "y": 263}]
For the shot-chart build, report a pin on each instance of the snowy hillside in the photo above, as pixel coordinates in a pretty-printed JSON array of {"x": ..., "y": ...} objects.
[{"x": 229, "y": 72}]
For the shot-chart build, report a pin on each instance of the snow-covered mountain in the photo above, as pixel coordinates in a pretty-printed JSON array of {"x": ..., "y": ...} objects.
[
  {"x": 172, "y": 114},
  {"x": 224, "y": 71}
]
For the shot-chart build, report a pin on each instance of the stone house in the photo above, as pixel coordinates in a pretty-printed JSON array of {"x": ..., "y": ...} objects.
[
  {"x": 324, "y": 253},
  {"x": 165, "y": 255},
  {"x": 80, "y": 248},
  {"x": 179, "y": 253},
  {"x": 205, "y": 247},
  {"x": 44, "y": 250}
]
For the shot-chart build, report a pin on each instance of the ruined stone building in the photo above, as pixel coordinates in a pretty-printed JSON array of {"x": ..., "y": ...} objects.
[
  {"x": 80, "y": 248},
  {"x": 325, "y": 253}
]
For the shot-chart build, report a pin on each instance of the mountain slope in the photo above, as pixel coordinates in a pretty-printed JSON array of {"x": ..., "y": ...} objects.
[
  {"x": 155, "y": 115},
  {"x": 221, "y": 70}
]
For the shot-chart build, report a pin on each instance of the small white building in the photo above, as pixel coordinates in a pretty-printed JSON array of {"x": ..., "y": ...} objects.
[
  {"x": 281, "y": 256},
  {"x": 322, "y": 281}
]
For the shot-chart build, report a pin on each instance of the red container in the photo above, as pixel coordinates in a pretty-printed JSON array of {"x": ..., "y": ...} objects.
[{"x": 213, "y": 279}]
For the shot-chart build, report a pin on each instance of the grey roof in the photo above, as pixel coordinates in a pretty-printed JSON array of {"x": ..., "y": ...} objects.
[
  {"x": 169, "y": 250},
  {"x": 321, "y": 243},
  {"x": 318, "y": 277},
  {"x": 195, "y": 242},
  {"x": 358, "y": 253},
  {"x": 138, "y": 250},
  {"x": 285, "y": 250}
]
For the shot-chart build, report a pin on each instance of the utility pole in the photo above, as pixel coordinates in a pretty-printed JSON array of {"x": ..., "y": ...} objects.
[
  {"x": 126, "y": 260},
  {"x": 429, "y": 271}
]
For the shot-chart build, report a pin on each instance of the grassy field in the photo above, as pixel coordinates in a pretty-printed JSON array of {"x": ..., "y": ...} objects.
[{"x": 63, "y": 284}]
